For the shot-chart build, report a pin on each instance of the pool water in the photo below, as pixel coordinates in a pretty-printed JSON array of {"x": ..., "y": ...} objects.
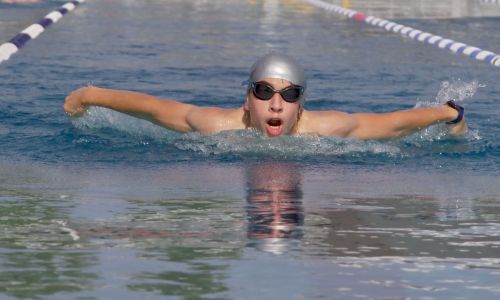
[{"x": 107, "y": 206}]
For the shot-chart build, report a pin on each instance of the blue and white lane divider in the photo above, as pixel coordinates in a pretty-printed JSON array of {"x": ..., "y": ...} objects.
[
  {"x": 497, "y": 2},
  {"x": 34, "y": 30},
  {"x": 412, "y": 33}
]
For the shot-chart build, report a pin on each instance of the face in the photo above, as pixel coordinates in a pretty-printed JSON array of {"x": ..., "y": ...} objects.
[{"x": 274, "y": 117}]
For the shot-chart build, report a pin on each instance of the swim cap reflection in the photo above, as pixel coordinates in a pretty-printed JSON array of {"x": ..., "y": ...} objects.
[{"x": 279, "y": 66}]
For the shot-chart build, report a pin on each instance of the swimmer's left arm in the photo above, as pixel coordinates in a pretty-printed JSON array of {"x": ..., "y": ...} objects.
[{"x": 404, "y": 122}]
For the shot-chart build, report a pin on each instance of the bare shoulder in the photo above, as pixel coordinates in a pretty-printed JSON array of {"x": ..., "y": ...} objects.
[
  {"x": 330, "y": 123},
  {"x": 208, "y": 120}
]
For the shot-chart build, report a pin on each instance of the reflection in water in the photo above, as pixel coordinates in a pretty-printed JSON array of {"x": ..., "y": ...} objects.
[
  {"x": 179, "y": 251},
  {"x": 275, "y": 213},
  {"x": 36, "y": 258},
  {"x": 194, "y": 280},
  {"x": 405, "y": 226},
  {"x": 45, "y": 273}
]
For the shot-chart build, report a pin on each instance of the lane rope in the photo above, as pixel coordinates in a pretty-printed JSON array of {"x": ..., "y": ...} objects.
[
  {"x": 497, "y": 2},
  {"x": 415, "y": 34},
  {"x": 34, "y": 30}
]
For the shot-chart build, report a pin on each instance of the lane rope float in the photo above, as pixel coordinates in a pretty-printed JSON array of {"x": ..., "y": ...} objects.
[
  {"x": 497, "y": 2},
  {"x": 415, "y": 34},
  {"x": 34, "y": 30}
]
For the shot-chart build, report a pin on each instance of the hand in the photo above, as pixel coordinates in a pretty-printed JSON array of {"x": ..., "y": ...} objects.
[
  {"x": 456, "y": 111},
  {"x": 73, "y": 104},
  {"x": 458, "y": 129}
]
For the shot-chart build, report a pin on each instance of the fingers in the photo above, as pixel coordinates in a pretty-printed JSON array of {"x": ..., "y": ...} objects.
[
  {"x": 72, "y": 103},
  {"x": 459, "y": 129}
]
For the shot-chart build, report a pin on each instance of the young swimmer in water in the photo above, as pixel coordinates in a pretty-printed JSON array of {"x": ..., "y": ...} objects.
[{"x": 274, "y": 105}]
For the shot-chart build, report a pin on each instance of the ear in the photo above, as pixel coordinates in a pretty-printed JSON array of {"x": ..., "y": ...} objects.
[
  {"x": 300, "y": 110},
  {"x": 246, "y": 106}
]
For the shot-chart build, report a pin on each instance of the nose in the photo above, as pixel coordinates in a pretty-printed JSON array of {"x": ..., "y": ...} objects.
[{"x": 276, "y": 103}]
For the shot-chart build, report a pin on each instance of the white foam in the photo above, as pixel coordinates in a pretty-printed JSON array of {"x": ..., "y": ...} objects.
[
  {"x": 99, "y": 117},
  {"x": 457, "y": 89},
  {"x": 251, "y": 142}
]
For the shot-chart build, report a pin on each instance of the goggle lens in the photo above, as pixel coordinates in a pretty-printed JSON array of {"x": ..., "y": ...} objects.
[{"x": 264, "y": 91}]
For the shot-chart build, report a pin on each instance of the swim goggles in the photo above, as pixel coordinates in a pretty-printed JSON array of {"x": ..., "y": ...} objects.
[{"x": 264, "y": 91}]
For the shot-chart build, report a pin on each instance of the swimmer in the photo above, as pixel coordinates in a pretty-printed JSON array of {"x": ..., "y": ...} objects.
[{"x": 274, "y": 105}]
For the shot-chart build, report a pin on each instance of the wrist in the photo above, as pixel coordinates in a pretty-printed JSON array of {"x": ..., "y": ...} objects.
[
  {"x": 458, "y": 112},
  {"x": 89, "y": 95}
]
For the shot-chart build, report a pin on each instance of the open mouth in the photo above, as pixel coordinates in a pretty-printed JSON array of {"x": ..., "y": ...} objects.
[
  {"x": 274, "y": 122},
  {"x": 274, "y": 127}
]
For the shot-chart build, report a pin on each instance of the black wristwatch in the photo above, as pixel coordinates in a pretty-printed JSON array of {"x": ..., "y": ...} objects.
[{"x": 458, "y": 108}]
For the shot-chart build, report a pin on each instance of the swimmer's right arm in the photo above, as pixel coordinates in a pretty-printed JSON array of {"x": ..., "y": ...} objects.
[{"x": 167, "y": 113}]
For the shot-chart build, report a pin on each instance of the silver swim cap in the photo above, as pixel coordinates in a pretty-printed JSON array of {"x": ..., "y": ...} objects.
[{"x": 279, "y": 66}]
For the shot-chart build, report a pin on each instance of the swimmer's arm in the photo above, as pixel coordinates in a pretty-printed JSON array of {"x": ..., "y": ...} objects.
[
  {"x": 401, "y": 123},
  {"x": 167, "y": 113}
]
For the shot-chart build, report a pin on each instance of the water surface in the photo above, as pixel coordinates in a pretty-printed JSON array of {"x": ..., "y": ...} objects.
[{"x": 108, "y": 206}]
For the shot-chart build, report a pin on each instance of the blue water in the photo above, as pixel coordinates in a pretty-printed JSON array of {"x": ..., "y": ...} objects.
[{"x": 108, "y": 206}]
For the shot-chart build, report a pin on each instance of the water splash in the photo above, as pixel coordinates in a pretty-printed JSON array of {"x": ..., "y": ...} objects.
[
  {"x": 450, "y": 90},
  {"x": 253, "y": 143},
  {"x": 456, "y": 90},
  {"x": 96, "y": 118}
]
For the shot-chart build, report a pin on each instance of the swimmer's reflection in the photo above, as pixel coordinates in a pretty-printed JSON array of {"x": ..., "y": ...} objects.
[{"x": 275, "y": 213}]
